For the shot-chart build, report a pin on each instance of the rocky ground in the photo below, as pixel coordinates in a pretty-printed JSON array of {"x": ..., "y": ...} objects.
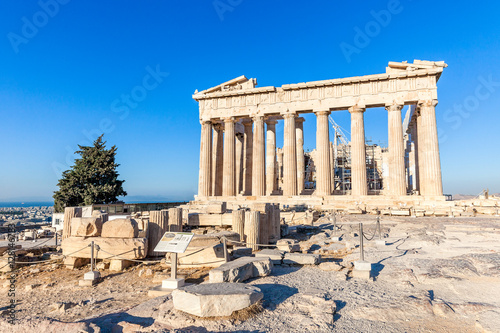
[{"x": 434, "y": 275}]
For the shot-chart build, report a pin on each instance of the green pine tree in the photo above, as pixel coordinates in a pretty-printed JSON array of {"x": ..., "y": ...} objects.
[{"x": 92, "y": 180}]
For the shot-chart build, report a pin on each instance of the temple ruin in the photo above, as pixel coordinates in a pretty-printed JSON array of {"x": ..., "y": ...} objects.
[{"x": 239, "y": 160}]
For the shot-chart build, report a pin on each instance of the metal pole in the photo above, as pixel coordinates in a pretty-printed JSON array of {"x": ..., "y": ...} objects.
[
  {"x": 173, "y": 264},
  {"x": 92, "y": 256},
  {"x": 224, "y": 242},
  {"x": 378, "y": 227},
  {"x": 361, "y": 250}
]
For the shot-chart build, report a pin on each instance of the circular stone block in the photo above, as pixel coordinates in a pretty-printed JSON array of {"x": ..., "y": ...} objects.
[{"x": 215, "y": 299}]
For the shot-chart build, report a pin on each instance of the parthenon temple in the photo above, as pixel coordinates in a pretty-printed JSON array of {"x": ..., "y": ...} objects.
[{"x": 239, "y": 160}]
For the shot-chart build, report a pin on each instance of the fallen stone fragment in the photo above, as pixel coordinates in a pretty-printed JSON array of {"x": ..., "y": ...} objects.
[
  {"x": 215, "y": 299},
  {"x": 301, "y": 259},
  {"x": 276, "y": 256},
  {"x": 241, "y": 269},
  {"x": 288, "y": 245},
  {"x": 239, "y": 252},
  {"x": 120, "y": 228}
]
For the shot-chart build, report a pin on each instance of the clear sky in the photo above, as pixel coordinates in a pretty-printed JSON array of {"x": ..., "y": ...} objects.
[{"x": 70, "y": 70}]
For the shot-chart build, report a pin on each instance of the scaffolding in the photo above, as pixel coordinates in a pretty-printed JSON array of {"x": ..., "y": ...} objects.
[{"x": 342, "y": 163}]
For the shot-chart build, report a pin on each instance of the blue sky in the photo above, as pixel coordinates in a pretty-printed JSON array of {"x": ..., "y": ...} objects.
[{"x": 69, "y": 67}]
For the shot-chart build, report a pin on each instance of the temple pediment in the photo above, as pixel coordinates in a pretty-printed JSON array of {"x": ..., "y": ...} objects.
[
  {"x": 417, "y": 64},
  {"x": 239, "y": 83}
]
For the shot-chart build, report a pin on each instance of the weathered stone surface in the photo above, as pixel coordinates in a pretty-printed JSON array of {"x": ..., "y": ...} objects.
[
  {"x": 215, "y": 299},
  {"x": 213, "y": 239},
  {"x": 120, "y": 228},
  {"x": 276, "y": 256},
  {"x": 252, "y": 229},
  {"x": 73, "y": 262},
  {"x": 69, "y": 214},
  {"x": 301, "y": 259},
  {"x": 157, "y": 226},
  {"x": 239, "y": 252},
  {"x": 241, "y": 269},
  {"x": 127, "y": 248},
  {"x": 86, "y": 226},
  {"x": 119, "y": 265},
  {"x": 288, "y": 245},
  {"x": 210, "y": 219},
  {"x": 211, "y": 207}
]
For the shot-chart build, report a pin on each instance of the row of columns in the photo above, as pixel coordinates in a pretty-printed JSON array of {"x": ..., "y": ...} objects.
[{"x": 258, "y": 176}]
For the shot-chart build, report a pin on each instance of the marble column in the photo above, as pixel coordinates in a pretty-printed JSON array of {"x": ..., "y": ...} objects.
[
  {"x": 358, "y": 151},
  {"x": 217, "y": 161},
  {"x": 229, "y": 177},
  {"x": 432, "y": 166},
  {"x": 323, "y": 168},
  {"x": 239, "y": 162},
  {"x": 271, "y": 157},
  {"x": 397, "y": 183},
  {"x": 332, "y": 166},
  {"x": 247, "y": 156},
  {"x": 279, "y": 167},
  {"x": 259, "y": 157},
  {"x": 299, "y": 137},
  {"x": 289, "y": 156},
  {"x": 420, "y": 152},
  {"x": 414, "y": 139},
  {"x": 204, "y": 188}
]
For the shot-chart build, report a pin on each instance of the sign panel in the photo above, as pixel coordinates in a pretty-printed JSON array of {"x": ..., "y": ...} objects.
[{"x": 176, "y": 242}]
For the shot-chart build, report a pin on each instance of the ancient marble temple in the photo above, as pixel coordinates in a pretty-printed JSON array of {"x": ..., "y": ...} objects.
[{"x": 238, "y": 134}]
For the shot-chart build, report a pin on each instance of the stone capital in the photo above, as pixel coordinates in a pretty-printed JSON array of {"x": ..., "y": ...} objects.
[
  {"x": 229, "y": 119},
  {"x": 356, "y": 108},
  {"x": 218, "y": 126},
  {"x": 288, "y": 115},
  {"x": 257, "y": 117},
  {"x": 300, "y": 120},
  {"x": 205, "y": 121},
  {"x": 427, "y": 103},
  {"x": 322, "y": 113},
  {"x": 271, "y": 121},
  {"x": 247, "y": 122},
  {"x": 394, "y": 107}
]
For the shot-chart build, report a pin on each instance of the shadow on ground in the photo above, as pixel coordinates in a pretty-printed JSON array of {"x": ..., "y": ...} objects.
[{"x": 274, "y": 294}]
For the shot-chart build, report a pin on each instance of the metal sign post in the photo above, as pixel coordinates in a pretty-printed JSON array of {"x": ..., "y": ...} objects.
[
  {"x": 173, "y": 242},
  {"x": 92, "y": 275}
]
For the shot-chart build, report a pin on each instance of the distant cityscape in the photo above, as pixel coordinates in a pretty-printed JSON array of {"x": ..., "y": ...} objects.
[{"x": 20, "y": 215}]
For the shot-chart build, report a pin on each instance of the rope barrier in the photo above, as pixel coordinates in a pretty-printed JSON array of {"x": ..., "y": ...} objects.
[
  {"x": 134, "y": 260},
  {"x": 377, "y": 229},
  {"x": 55, "y": 259},
  {"x": 233, "y": 241}
]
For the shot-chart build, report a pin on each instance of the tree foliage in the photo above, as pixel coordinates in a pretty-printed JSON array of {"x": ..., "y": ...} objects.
[{"x": 93, "y": 178}]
